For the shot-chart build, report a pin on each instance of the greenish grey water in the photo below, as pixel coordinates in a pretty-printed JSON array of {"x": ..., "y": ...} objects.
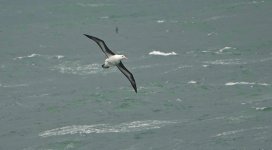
[{"x": 215, "y": 93}]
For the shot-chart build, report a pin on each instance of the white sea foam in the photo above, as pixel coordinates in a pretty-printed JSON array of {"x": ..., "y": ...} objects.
[
  {"x": 245, "y": 83},
  {"x": 13, "y": 85},
  {"x": 107, "y": 128},
  {"x": 29, "y": 56},
  {"x": 179, "y": 100},
  {"x": 223, "y": 49},
  {"x": 225, "y": 62},
  {"x": 77, "y": 68},
  {"x": 266, "y": 59},
  {"x": 219, "y": 51},
  {"x": 192, "y": 82},
  {"x": 261, "y": 108},
  {"x": 177, "y": 68},
  {"x": 160, "y": 21},
  {"x": 104, "y": 17},
  {"x": 59, "y": 56},
  {"x": 92, "y": 4},
  {"x": 212, "y": 33},
  {"x": 39, "y": 55},
  {"x": 233, "y": 132},
  {"x": 229, "y": 132},
  {"x": 162, "y": 53},
  {"x": 214, "y": 18},
  {"x": 146, "y": 66}
]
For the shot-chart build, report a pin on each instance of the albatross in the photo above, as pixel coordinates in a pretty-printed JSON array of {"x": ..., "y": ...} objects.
[{"x": 113, "y": 59}]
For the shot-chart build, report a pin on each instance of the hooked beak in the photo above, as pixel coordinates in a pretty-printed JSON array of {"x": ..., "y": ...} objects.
[{"x": 125, "y": 57}]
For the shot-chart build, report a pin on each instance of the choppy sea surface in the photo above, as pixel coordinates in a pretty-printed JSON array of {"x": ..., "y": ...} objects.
[{"x": 203, "y": 72}]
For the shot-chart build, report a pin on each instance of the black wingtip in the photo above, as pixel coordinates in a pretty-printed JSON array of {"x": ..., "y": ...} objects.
[
  {"x": 92, "y": 37},
  {"x": 87, "y": 35},
  {"x": 135, "y": 88}
]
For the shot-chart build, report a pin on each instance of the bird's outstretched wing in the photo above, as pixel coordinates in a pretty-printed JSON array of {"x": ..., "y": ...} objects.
[
  {"x": 102, "y": 45},
  {"x": 128, "y": 74}
]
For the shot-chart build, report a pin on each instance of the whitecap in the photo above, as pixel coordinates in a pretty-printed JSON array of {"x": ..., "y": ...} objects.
[
  {"x": 160, "y": 21},
  {"x": 261, "y": 108},
  {"x": 223, "y": 49},
  {"x": 29, "y": 56},
  {"x": 211, "y": 33},
  {"x": 179, "y": 100},
  {"x": 192, "y": 82},
  {"x": 206, "y": 51},
  {"x": 162, "y": 53},
  {"x": 245, "y": 83},
  {"x": 107, "y": 128},
  {"x": 33, "y": 55},
  {"x": 59, "y": 56}
]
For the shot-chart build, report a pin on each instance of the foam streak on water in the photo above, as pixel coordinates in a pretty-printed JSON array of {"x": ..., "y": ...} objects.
[
  {"x": 38, "y": 55},
  {"x": 225, "y": 62},
  {"x": 13, "y": 86},
  {"x": 77, "y": 68},
  {"x": 107, "y": 128},
  {"x": 245, "y": 83},
  {"x": 162, "y": 53},
  {"x": 233, "y": 132}
]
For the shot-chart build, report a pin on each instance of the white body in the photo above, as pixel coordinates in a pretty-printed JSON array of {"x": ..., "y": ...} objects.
[{"x": 114, "y": 60}]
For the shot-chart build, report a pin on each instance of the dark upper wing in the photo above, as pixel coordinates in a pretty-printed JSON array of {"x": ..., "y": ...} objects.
[
  {"x": 102, "y": 45},
  {"x": 128, "y": 74}
]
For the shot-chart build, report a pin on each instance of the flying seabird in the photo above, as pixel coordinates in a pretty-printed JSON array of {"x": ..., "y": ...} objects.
[{"x": 113, "y": 59}]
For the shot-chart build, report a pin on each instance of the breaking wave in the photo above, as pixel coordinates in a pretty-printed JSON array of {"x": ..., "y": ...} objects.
[
  {"x": 107, "y": 128},
  {"x": 162, "y": 53}
]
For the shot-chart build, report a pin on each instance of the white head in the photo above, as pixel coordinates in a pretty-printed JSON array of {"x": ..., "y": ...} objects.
[{"x": 123, "y": 57}]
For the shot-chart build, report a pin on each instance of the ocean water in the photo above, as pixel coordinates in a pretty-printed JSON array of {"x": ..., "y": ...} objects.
[{"x": 203, "y": 72}]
